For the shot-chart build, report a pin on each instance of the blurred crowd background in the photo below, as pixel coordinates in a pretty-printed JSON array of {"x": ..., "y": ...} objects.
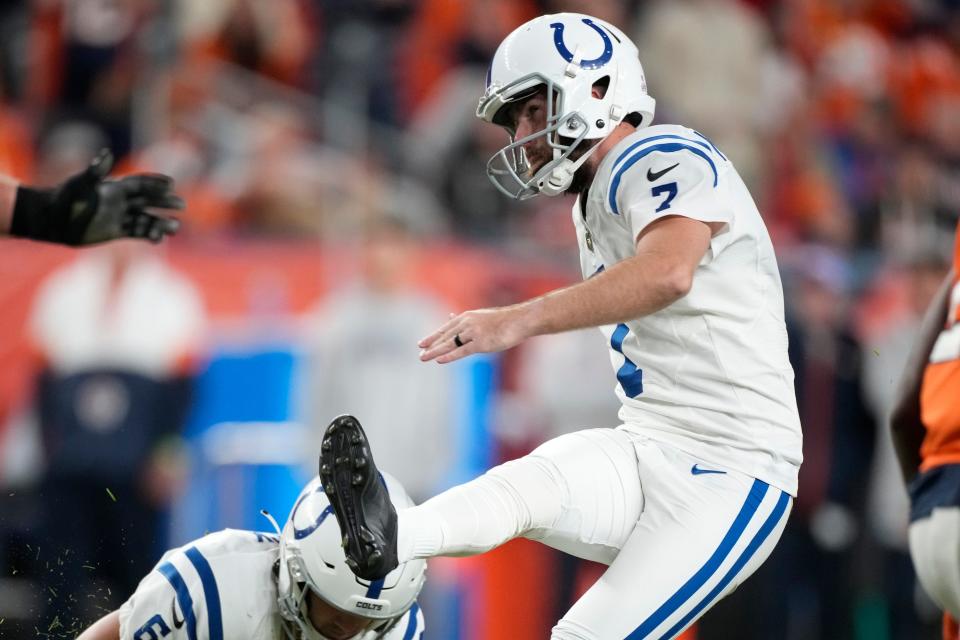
[{"x": 338, "y": 210}]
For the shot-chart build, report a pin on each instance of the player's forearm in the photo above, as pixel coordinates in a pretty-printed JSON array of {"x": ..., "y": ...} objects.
[
  {"x": 8, "y": 197},
  {"x": 635, "y": 287},
  {"x": 106, "y": 628},
  {"x": 905, "y": 424}
]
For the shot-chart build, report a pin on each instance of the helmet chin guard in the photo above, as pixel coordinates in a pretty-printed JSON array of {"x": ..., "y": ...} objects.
[
  {"x": 568, "y": 54},
  {"x": 562, "y": 174},
  {"x": 509, "y": 169}
]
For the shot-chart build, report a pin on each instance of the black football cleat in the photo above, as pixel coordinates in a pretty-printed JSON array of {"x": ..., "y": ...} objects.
[{"x": 361, "y": 504}]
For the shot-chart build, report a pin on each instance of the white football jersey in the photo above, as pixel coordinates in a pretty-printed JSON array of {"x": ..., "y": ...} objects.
[
  {"x": 219, "y": 587},
  {"x": 708, "y": 374}
]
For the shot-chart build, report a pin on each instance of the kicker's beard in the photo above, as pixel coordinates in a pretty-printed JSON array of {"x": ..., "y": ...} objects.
[{"x": 583, "y": 176}]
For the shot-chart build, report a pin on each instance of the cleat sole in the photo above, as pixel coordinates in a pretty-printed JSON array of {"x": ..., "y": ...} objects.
[{"x": 347, "y": 472}]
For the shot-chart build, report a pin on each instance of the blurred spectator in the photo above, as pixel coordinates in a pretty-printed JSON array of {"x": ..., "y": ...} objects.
[
  {"x": 14, "y": 27},
  {"x": 816, "y": 549},
  {"x": 851, "y": 71},
  {"x": 446, "y": 33},
  {"x": 619, "y": 12},
  {"x": 784, "y": 97},
  {"x": 305, "y": 119},
  {"x": 272, "y": 37},
  {"x": 915, "y": 284},
  {"x": 118, "y": 332},
  {"x": 87, "y": 61},
  {"x": 564, "y": 383},
  {"x": 358, "y": 66},
  {"x": 803, "y": 202},
  {"x": 703, "y": 62},
  {"x": 16, "y": 148},
  {"x": 365, "y": 363},
  {"x": 838, "y": 443},
  {"x": 295, "y": 187},
  {"x": 917, "y": 213},
  {"x": 284, "y": 192},
  {"x": 184, "y": 156},
  {"x": 926, "y": 74},
  {"x": 64, "y": 147},
  {"x": 564, "y": 379},
  {"x": 862, "y": 158}
]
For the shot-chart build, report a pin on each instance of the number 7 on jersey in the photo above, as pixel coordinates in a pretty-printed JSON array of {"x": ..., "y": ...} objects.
[{"x": 670, "y": 189}]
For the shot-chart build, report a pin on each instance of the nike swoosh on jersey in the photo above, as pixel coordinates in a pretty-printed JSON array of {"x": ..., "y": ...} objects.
[
  {"x": 173, "y": 610},
  {"x": 653, "y": 176},
  {"x": 697, "y": 471}
]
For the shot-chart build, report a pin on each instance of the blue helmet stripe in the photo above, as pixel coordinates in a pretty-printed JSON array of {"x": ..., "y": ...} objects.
[{"x": 373, "y": 591}]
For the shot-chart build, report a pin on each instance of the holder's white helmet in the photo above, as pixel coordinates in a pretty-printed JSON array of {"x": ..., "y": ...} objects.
[
  {"x": 312, "y": 559},
  {"x": 567, "y": 53}
]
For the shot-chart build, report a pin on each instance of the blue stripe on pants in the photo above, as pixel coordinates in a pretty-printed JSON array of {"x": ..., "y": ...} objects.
[
  {"x": 684, "y": 593},
  {"x": 769, "y": 524}
]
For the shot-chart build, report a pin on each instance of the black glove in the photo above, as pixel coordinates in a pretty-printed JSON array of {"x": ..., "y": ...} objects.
[{"x": 86, "y": 209}]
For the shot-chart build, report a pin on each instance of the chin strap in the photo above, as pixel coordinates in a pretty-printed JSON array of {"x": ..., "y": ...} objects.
[{"x": 558, "y": 180}]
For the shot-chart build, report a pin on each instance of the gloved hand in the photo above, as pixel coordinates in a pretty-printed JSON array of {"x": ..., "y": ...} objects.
[{"x": 87, "y": 209}]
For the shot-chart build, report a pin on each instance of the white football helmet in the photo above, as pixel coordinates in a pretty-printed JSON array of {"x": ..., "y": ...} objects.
[
  {"x": 312, "y": 559},
  {"x": 567, "y": 53}
]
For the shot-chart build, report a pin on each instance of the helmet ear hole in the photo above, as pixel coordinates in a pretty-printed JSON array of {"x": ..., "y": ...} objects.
[
  {"x": 600, "y": 87},
  {"x": 635, "y": 119}
]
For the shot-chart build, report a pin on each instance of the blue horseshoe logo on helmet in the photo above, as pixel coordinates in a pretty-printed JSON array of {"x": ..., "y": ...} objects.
[
  {"x": 300, "y": 534},
  {"x": 597, "y": 62}
]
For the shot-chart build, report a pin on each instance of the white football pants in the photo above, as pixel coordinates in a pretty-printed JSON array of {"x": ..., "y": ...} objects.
[
  {"x": 677, "y": 533},
  {"x": 935, "y": 549}
]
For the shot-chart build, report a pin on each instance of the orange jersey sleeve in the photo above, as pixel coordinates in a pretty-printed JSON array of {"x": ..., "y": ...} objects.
[{"x": 940, "y": 390}]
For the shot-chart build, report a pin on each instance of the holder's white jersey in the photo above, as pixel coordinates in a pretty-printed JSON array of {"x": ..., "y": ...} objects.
[
  {"x": 221, "y": 587},
  {"x": 708, "y": 374}
]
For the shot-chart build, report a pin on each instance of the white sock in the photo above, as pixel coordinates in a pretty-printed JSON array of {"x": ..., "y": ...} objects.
[
  {"x": 482, "y": 514},
  {"x": 419, "y": 534}
]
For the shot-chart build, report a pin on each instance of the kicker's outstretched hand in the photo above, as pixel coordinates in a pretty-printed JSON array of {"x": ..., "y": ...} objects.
[{"x": 477, "y": 331}]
